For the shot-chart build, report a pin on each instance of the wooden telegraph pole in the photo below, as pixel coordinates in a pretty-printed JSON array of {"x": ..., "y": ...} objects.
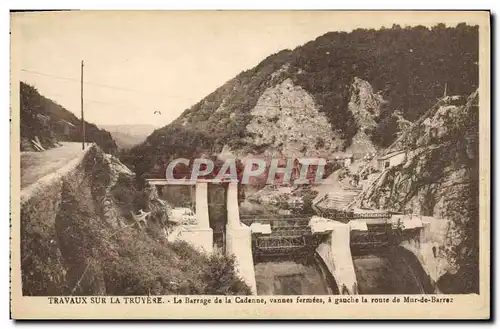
[{"x": 81, "y": 103}]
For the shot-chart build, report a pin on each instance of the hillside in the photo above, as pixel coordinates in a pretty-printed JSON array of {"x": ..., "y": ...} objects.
[
  {"x": 439, "y": 178},
  {"x": 127, "y": 136},
  {"x": 80, "y": 235},
  {"x": 357, "y": 90},
  {"x": 44, "y": 120}
]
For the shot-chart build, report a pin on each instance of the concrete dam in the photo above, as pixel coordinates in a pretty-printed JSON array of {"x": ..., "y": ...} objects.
[
  {"x": 312, "y": 255},
  {"x": 291, "y": 260}
]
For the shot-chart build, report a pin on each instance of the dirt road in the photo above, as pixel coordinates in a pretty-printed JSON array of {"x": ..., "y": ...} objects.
[{"x": 35, "y": 165}]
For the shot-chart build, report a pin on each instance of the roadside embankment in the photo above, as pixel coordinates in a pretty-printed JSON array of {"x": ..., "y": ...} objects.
[{"x": 80, "y": 235}]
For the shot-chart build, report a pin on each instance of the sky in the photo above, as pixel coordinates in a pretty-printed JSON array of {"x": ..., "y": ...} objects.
[{"x": 139, "y": 62}]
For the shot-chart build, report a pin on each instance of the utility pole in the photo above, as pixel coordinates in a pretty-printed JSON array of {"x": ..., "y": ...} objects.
[{"x": 81, "y": 103}]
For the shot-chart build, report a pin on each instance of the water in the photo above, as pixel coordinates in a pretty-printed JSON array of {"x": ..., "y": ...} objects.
[
  {"x": 291, "y": 278},
  {"x": 380, "y": 271},
  {"x": 390, "y": 271}
]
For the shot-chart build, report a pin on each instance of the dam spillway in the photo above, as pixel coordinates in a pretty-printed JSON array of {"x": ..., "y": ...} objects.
[
  {"x": 380, "y": 271},
  {"x": 340, "y": 253},
  {"x": 390, "y": 270},
  {"x": 296, "y": 267},
  {"x": 291, "y": 278}
]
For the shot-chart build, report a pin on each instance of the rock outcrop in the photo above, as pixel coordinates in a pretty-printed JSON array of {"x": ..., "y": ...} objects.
[
  {"x": 365, "y": 105},
  {"x": 286, "y": 122},
  {"x": 441, "y": 158},
  {"x": 439, "y": 177}
]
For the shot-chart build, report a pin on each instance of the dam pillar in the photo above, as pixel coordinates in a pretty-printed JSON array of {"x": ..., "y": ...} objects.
[
  {"x": 201, "y": 235},
  {"x": 202, "y": 216},
  {"x": 239, "y": 239},
  {"x": 336, "y": 254},
  {"x": 233, "y": 208}
]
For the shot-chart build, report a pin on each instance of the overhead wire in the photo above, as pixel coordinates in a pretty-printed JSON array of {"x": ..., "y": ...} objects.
[
  {"x": 94, "y": 101},
  {"x": 223, "y": 102},
  {"x": 88, "y": 82}
]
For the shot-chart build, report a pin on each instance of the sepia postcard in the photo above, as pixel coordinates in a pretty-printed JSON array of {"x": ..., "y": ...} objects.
[{"x": 250, "y": 165}]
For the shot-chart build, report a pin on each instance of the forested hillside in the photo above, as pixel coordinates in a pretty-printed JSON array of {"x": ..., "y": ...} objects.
[
  {"x": 49, "y": 122},
  {"x": 408, "y": 68}
]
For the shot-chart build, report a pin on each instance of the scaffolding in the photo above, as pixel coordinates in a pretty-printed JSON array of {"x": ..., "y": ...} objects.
[{"x": 292, "y": 236}]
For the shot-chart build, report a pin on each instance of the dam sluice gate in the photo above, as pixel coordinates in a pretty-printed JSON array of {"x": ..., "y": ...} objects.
[{"x": 295, "y": 258}]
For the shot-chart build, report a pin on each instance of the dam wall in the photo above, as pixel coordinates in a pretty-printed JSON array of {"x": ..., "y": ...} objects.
[
  {"x": 239, "y": 244},
  {"x": 200, "y": 235},
  {"x": 335, "y": 252},
  {"x": 429, "y": 246},
  {"x": 239, "y": 239}
]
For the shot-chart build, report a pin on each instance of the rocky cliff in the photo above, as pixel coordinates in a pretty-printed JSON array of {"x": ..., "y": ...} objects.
[
  {"x": 441, "y": 157},
  {"x": 439, "y": 178},
  {"x": 365, "y": 106},
  {"x": 287, "y": 123}
]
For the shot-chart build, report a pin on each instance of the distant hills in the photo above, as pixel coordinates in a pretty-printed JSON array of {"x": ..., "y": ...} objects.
[
  {"x": 341, "y": 89},
  {"x": 44, "y": 123},
  {"x": 127, "y": 136}
]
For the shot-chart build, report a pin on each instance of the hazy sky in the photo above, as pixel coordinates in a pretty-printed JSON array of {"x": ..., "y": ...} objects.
[{"x": 167, "y": 60}]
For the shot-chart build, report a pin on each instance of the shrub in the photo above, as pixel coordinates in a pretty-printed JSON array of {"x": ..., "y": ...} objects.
[
  {"x": 320, "y": 143},
  {"x": 145, "y": 266},
  {"x": 220, "y": 277}
]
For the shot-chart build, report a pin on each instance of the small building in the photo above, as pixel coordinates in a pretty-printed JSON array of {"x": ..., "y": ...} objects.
[
  {"x": 66, "y": 128},
  {"x": 295, "y": 201},
  {"x": 368, "y": 156},
  {"x": 344, "y": 159},
  {"x": 391, "y": 159},
  {"x": 182, "y": 215},
  {"x": 43, "y": 119},
  {"x": 347, "y": 161}
]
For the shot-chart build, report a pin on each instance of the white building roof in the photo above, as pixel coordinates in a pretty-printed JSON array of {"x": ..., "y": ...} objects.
[
  {"x": 340, "y": 155},
  {"x": 390, "y": 155},
  {"x": 67, "y": 122},
  {"x": 311, "y": 161}
]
